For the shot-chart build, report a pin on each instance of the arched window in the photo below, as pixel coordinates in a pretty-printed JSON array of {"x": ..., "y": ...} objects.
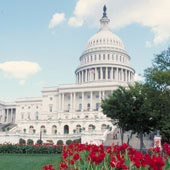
[
  {"x": 43, "y": 130},
  {"x": 54, "y": 129},
  {"x": 78, "y": 128},
  {"x": 103, "y": 127},
  {"x": 66, "y": 129},
  {"x": 91, "y": 128},
  {"x": 31, "y": 129}
]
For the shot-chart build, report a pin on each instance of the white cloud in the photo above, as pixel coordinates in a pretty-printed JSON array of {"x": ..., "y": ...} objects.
[
  {"x": 138, "y": 77},
  {"x": 20, "y": 70},
  {"x": 148, "y": 44},
  {"x": 149, "y": 13},
  {"x": 75, "y": 22},
  {"x": 56, "y": 19},
  {"x": 22, "y": 82}
]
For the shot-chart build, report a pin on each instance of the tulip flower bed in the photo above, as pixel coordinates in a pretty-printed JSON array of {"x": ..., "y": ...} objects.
[
  {"x": 92, "y": 157},
  {"x": 30, "y": 149}
]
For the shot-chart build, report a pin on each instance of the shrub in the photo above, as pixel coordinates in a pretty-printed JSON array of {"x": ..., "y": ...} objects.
[
  {"x": 77, "y": 141},
  {"x": 68, "y": 142},
  {"x": 60, "y": 142},
  {"x": 39, "y": 141},
  {"x": 22, "y": 141},
  {"x": 30, "y": 142}
]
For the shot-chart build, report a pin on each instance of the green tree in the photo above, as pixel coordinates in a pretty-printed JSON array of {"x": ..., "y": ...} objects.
[
  {"x": 129, "y": 110},
  {"x": 117, "y": 107},
  {"x": 158, "y": 82}
]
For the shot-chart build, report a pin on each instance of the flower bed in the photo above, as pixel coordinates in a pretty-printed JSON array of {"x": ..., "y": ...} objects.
[
  {"x": 92, "y": 157},
  {"x": 30, "y": 149}
]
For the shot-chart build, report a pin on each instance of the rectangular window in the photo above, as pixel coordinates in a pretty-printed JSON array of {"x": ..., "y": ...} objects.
[
  {"x": 22, "y": 116},
  {"x": 51, "y": 108},
  {"x": 28, "y": 116}
]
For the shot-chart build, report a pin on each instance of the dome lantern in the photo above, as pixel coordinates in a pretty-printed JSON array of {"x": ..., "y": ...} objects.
[{"x": 104, "y": 21}]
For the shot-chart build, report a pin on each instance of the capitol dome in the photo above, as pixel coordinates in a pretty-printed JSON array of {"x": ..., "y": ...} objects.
[
  {"x": 104, "y": 58},
  {"x": 105, "y": 38}
]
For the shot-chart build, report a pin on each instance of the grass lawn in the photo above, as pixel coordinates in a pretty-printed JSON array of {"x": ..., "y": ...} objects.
[{"x": 28, "y": 161}]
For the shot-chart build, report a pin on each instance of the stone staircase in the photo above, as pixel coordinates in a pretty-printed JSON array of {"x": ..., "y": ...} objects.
[
  {"x": 134, "y": 141},
  {"x": 6, "y": 127}
]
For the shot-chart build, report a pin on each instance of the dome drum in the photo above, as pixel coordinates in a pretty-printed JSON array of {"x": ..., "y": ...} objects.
[{"x": 104, "y": 73}]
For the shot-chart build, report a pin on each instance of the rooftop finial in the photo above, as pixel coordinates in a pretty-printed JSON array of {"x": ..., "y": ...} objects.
[{"x": 104, "y": 11}]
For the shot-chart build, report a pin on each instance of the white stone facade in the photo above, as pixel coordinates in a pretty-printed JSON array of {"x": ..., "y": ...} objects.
[{"x": 73, "y": 111}]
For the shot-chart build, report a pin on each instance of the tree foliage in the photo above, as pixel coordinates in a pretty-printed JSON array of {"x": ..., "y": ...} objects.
[
  {"x": 157, "y": 83},
  {"x": 129, "y": 110}
]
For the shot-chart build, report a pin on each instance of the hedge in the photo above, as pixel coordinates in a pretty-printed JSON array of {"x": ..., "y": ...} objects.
[{"x": 30, "y": 149}]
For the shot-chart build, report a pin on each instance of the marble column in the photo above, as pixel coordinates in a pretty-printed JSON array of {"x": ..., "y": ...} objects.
[
  {"x": 111, "y": 73},
  {"x": 96, "y": 75},
  {"x": 125, "y": 75},
  {"x": 106, "y": 73},
  {"x": 101, "y": 73}
]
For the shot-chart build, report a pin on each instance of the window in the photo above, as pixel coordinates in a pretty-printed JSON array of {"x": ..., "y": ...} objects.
[
  {"x": 51, "y": 98},
  {"x": 31, "y": 128},
  {"x": 22, "y": 116},
  {"x": 36, "y": 107},
  {"x": 97, "y": 106},
  {"x": 54, "y": 129},
  {"x": 86, "y": 117},
  {"x": 78, "y": 128},
  {"x": 88, "y": 106},
  {"x": 80, "y": 106},
  {"x": 51, "y": 108},
  {"x": 66, "y": 129},
  {"x": 91, "y": 128},
  {"x": 28, "y": 107},
  {"x": 97, "y": 96},
  {"x": 43, "y": 130},
  {"x": 103, "y": 56},
  {"x": 88, "y": 97},
  {"x": 28, "y": 116},
  {"x": 36, "y": 116},
  {"x": 68, "y": 107}
]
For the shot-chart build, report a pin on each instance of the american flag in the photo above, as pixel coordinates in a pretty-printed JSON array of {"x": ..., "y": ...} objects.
[{"x": 92, "y": 70}]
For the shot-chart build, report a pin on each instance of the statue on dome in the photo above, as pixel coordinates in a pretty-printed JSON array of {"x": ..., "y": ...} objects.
[{"x": 104, "y": 11}]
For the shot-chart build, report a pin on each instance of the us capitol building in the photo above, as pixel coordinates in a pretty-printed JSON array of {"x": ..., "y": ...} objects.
[{"x": 73, "y": 111}]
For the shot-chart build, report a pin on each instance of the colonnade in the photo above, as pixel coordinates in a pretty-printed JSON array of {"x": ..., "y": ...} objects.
[
  {"x": 104, "y": 73},
  {"x": 74, "y": 96},
  {"x": 9, "y": 115}
]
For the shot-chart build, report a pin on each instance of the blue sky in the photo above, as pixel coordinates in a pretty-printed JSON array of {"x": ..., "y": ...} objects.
[{"x": 41, "y": 41}]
